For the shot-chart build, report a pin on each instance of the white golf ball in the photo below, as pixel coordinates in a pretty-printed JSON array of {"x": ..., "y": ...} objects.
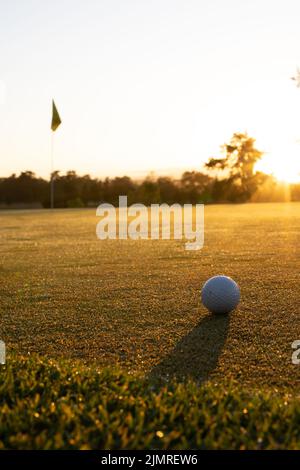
[{"x": 220, "y": 294}]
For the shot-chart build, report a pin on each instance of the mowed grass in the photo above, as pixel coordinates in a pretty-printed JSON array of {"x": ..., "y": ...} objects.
[
  {"x": 136, "y": 304},
  {"x": 47, "y": 404},
  {"x": 108, "y": 345}
]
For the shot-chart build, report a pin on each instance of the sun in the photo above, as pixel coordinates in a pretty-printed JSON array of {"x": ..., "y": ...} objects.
[{"x": 284, "y": 166}]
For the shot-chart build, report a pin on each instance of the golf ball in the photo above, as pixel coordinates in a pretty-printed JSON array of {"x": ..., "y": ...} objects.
[{"x": 220, "y": 294}]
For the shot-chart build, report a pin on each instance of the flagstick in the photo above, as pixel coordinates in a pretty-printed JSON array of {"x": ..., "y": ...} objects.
[{"x": 52, "y": 170}]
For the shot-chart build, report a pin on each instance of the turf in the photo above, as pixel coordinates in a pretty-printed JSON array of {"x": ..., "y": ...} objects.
[
  {"x": 47, "y": 404},
  {"x": 136, "y": 304}
]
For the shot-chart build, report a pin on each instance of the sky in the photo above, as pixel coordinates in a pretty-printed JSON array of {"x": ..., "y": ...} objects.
[{"x": 147, "y": 85}]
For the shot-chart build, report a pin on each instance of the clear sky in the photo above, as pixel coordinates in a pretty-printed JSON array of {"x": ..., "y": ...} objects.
[{"x": 147, "y": 85}]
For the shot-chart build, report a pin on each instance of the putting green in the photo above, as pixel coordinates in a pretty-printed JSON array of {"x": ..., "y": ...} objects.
[{"x": 64, "y": 293}]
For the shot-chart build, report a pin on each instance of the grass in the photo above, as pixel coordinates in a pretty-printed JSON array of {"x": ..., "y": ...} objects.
[
  {"x": 47, "y": 404},
  {"x": 135, "y": 306}
]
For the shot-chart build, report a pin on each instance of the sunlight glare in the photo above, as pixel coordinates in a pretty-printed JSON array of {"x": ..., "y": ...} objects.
[{"x": 283, "y": 165}]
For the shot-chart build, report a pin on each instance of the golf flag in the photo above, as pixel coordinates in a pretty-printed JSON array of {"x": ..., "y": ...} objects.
[{"x": 56, "y": 121}]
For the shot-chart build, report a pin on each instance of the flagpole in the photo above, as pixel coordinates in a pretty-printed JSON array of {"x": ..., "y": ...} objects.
[{"x": 52, "y": 170}]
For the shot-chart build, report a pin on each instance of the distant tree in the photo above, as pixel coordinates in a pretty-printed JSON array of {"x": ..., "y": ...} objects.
[
  {"x": 23, "y": 189},
  {"x": 148, "y": 191},
  {"x": 195, "y": 186},
  {"x": 169, "y": 191},
  {"x": 92, "y": 190},
  {"x": 119, "y": 186},
  {"x": 236, "y": 177},
  {"x": 295, "y": 192}
]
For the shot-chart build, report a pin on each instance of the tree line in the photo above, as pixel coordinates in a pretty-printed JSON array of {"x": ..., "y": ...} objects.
[{"x": 231, "y": 178}]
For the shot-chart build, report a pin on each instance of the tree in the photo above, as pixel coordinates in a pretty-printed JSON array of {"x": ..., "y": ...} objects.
[
  {"x": 195, "y": 186},
  {"x": 148, "y": 191},
  {"x": 236, "y": 177}
]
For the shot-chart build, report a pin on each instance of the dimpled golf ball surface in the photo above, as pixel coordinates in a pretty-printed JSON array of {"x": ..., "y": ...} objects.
[{"x": 220, "y": 294}]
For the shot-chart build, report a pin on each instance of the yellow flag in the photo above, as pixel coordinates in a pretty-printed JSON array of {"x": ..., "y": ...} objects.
[{"x": 56, "y": 121}]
